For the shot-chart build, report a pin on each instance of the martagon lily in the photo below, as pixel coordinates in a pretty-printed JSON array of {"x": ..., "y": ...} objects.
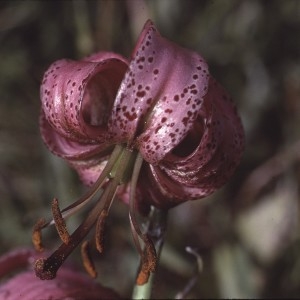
[{"x": 156, "y": 131}]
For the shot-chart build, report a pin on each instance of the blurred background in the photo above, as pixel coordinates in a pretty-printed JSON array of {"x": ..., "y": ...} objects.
[{"x": 247, "y": 234}]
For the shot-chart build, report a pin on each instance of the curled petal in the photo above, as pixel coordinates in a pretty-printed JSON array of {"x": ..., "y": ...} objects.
[
  {"x": 221, "y": 141},
  {"x": 88, "y": 159},
  {"x": 205, "y": 159},
  {"x": 77, "y": 96},
  {"x": 160, "y": 96},
  {"x": 68, "y": 149}
]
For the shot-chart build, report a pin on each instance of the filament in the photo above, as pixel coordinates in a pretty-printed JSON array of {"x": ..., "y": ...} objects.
[{"x": 47, "y": 268}]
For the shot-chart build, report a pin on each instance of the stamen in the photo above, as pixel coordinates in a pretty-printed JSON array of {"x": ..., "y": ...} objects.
[
  {"x": 47, "y": 268},
  {"x": 60, "y": 223},
  {"x": 77, "y": 205},
  {"x": 135, "y": 229},
  {"x": 149, "y": 261},
  {"x": 143, "y": 276},
  {"x": 148, "y": 254},
  {"x": 37, "y": 235},
  {"x": 87, "y": 260},
  {"x": 99, "y": 235}
]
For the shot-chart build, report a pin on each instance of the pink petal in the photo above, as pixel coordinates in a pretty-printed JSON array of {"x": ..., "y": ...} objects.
[
  {"x": 67, "y": 148},
  {"x": 88, "y": 159},
  {"x": 68, "y": 284},
  {"x": 90, "y": 170},
  {"x": 207, "y": 166},
  {"x": 15, "y": 259},
  {"x": 74, "y": 113},
  {"x": 77, "y": 96},
  {"x": 160, "y": 96}
]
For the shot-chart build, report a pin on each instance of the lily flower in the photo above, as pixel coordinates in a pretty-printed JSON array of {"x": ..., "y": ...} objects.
[
  {"x": 156, "y": 130},
  {"x": 69, "y": 283}
]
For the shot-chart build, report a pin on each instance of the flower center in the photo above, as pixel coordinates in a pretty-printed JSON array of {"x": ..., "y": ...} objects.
[{"x": 123, "y": 164}]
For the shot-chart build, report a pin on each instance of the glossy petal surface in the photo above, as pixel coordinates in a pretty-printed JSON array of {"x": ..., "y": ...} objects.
[
  {"x": 160, "y": 96},
  {"x": 77, "y": 96},
  {"x": 214, "y": 148}
]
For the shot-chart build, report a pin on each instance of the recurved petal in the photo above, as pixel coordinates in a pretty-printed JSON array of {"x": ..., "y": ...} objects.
[
  {"x": 88, "y": 159},
  {"x": 208, "y": 156},
  {"x": 66, "y": 148},
  {"x": 161, "y": 191},
  {"x": 77, "y": 96},
  {"x": 160, "y": 96}
]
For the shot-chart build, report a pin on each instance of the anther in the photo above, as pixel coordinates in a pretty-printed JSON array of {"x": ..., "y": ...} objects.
[
  {"x": 150, "y": 253},
  {"x": 148, "y": 261},
  {"x": 46, "y": 268},
  {"x": 37, "y": 235},
  {"x": 142, "y": 277},
  {"x": 99, "y": 234},
  {"x": 60, "y": 223},
  {"x": 87, "y": 260}
]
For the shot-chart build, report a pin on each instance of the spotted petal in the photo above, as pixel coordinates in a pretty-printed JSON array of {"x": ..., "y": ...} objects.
[
  {"x": 77, "y": 96},
  {"x": 205, "y": 159},
  {"x": 160, "y": 96}
]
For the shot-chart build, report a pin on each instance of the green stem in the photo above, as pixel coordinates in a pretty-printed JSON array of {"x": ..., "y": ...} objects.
[
  {"x": 156, "y": 231},
  {"x": 143, "y": 291}
]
